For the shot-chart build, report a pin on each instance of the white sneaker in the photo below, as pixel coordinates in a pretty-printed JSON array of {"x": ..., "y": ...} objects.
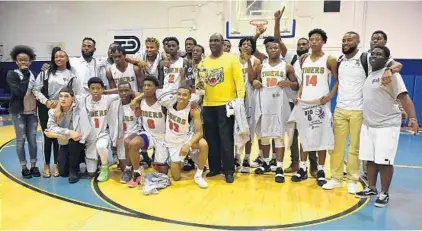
[
  {"x": 332, "y": 184},
  {"x": 352, "y": 188},
  {"x": 201, "y": 182}
]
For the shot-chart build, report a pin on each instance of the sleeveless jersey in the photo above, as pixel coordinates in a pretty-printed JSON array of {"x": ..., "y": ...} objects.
[
  {"x": 128, "y": 76},
  {"x": 130, "y": 121},
  {"x": 178, "y": 126},
  {"x": 153, "y": 119},
  {"x": 97, "y": 112},
  {"x": 272, "y": 104},
  {"x": 172, "y": 75},
  {"x": 316, "y": 78}
]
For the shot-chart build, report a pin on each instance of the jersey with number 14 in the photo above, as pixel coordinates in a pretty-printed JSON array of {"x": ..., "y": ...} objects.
[
  {"x": 153, "y": 119},
  {"x": 316, "y": 76}
]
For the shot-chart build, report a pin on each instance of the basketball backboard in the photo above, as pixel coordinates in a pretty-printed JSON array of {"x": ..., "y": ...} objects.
[{"x": 243, "y": 12}]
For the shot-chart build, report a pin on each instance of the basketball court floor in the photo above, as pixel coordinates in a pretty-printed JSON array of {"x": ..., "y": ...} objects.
[{"x": 252, "y": 202}]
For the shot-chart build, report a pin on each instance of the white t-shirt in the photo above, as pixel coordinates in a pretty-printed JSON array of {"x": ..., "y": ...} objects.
[{"x": 351, "y": 80}]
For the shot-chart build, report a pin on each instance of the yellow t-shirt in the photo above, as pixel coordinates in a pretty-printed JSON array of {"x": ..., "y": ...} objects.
[{"x": 222, "y": 79}]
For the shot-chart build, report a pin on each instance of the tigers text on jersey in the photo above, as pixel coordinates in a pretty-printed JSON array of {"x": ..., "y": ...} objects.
[
  {"x": 172, "y": 75},
  {"x": 316, "y": 76},
  {"x": 130, "y": 121},
  {"x": 153, "y": 119},
  {"x": 97, "y": 112},
  {"x": 128, "y": 75},
  {"x": 272, "y": 104},
  {"x": 314, "y": 123},
  {"x": 178, "y": 126}
]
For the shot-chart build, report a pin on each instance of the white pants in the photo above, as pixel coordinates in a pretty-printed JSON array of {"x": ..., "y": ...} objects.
[
  {"x": 93, "y": 149},
  {"x": 379, "y": 144}
]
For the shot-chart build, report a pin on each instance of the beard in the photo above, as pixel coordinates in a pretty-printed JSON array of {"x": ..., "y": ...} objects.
[
  {"x": 351, "y": 50},
  {"x": 87, "y": 54},
  {"x": 301, "y": 52}
]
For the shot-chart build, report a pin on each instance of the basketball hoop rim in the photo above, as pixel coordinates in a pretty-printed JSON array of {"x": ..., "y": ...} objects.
[{"x": 258, "y": 22}]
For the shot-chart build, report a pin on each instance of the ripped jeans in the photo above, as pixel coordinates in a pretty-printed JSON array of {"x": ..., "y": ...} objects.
[{"x": 26, "y": 128}]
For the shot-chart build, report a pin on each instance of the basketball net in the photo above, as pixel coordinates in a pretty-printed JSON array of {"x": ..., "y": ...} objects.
[{"x": 259, "y": 25}]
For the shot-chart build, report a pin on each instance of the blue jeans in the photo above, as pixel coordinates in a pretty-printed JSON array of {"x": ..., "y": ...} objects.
[{"x": 26, "y": 128}]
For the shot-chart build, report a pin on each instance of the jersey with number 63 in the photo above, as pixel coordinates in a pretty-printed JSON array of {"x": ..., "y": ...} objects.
[{"x": 153, "y": 119}]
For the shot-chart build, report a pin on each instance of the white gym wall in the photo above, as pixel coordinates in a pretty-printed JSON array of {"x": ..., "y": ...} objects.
[{"x": 41, "y": 24}]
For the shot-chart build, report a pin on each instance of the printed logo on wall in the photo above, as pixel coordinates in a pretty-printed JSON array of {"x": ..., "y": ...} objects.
[{"x": 128, "y": 39}]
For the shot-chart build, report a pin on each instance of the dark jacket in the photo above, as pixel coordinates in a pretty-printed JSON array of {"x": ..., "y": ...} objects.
[{"x": 18, "y": 89}]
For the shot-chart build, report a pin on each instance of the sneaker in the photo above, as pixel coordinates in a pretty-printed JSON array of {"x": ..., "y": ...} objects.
[
  {"x": 257, "y": 163},
  {"x": 279, "y": 175},
  {"x": 35, "y": 172},
  {"x": 367, "y": 192},
  {"x": 135, "y": 180},
  {"x": 146, "y": 160},
  {"x": 382, "y": 200},
  {"x": 127, "y": 174},
  {"x": 188, "y": 164},
  {"x": 332, "y": 184},
  {"x": 73, "y": 178},
  {"x": 201, "y": 182},
  {"x": 320, "y": 178},
  {"x": 352, "y": 188},
  {"x": 26, "y": 173},
  {"x": 245, "y": 166},
  {"x": 237, "y": 165},
  {"x": 273, "y": 165},
  {"x": 82, "y": 168},
  {"x": 263, "y": 169},
  {"x": 103, "y": 174},
  {"x": 302, "y": 174},
  {"x": 364, "y": 176}
]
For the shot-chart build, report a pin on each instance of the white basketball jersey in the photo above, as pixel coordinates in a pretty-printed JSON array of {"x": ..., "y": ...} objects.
[
  {"x": 272, "y": 107},
  {"x": 172, "y": 75},
  {"x": 130, "y": 121},
  {"x": 178, "y": 126},
  {"x": 153, "y": 119},
  {"x": 316, "y": 77},
  {"x": 128, "y": 76},
  {"x": 97, "y": 112}
]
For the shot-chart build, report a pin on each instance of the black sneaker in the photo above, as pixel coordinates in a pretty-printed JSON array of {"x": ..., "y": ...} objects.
[
  {"x": 279, "y": 175},
  {"x": 382, "y": 200},
  {"x": 211, "y": 174},
  {"x": 73, "y": 178},
  {"x": 263, "y": 169},
  {"x": 26, "y": 173},
  {"x": 188, "y": 164},
  {"x": 273, "y": 164},
  {"x": 320, "y": 178},
  {"x": 364, "y": 176},
  {"x": 35, "y": 172},
  {"x": 367, "y": 192},
  {"x": 229, "y": 178},
  {"x": 146, "y": 160},
  {"x": 257, "y": 163},
  {"x": 300, "y": 175},
  {"x": 237, "y": 164},
  {"x": 245, "y": 166}
]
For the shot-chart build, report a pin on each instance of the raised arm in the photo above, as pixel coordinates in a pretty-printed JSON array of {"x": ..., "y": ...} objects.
[{"x": 277, "y": 34}]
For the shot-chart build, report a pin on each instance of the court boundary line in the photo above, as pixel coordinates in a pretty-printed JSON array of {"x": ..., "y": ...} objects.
[{"x": 133, "y": 213}]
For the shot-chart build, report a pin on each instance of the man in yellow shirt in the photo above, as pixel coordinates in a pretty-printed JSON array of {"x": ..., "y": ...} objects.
[{"x": 221, "y": 79}]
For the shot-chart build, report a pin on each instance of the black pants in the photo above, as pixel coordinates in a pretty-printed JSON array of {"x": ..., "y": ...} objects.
[
  {"x": 218, "y": 130},
  {"x": 48, "y": 142},
  {"x": 294, "y": 149},
  {"x": 70, "y": 156}
]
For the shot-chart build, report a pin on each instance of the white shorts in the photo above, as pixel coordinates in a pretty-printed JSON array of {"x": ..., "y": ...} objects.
[
  {"x": 379, "y": 144},
  {"x": 91, "y": 153},
  {"x": 161, "y": 153},
  {"x": 174, "y": 151}
]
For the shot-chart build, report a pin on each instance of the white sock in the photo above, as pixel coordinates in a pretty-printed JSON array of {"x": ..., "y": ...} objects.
[
  {"x": 247, "y": 156},
  {"x": 128, "y": 167},
  {"x": 274, "y": 155},
  {"x": 139, "y": 170},
  {"x": 320, "y": 167},
  {"x": 104, "y": 166},
  {"x": 303, "y": 165},
  {"x": 267, "y": 160},
  {"x": 279, "y": 164},
  {"x": 260, "y": 154},
  {"x": 237, "y": 156},
  {"x": 199, "y": 173}
]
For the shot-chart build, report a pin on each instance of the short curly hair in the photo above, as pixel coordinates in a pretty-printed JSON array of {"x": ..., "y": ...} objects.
[
  {"x": 320, "y": 32},
  {"x": 22, "y": 49}
]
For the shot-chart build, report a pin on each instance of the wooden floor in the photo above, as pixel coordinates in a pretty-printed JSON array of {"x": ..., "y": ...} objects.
[{"x": 252, "y": 202}]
